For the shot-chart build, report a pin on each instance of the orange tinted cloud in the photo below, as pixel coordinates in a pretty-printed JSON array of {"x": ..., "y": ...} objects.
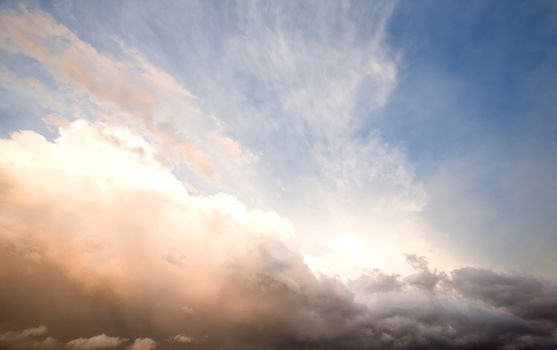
[
  {"x": 93, "y": 227},
  {"x": 134, "y": 86}
]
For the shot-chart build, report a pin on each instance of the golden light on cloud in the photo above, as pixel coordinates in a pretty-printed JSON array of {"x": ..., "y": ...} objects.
[{"x": 192, "y": 176}]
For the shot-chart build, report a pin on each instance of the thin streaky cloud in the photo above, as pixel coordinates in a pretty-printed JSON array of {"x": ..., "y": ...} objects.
[{"x": 277, "y": 175}]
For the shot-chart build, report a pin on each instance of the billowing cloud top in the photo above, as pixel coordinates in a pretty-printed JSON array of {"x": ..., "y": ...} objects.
[
  {"x": 96, "y": 229},
  {"x": 118, "y": 229}
]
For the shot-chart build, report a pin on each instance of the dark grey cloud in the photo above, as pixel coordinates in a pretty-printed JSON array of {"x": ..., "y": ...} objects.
[
  {"x": 264, "y": 309},
  {"x": 524, "y": 296},
  {"x": 376, "y": 281},
  {"x": 423, "y": 278}
]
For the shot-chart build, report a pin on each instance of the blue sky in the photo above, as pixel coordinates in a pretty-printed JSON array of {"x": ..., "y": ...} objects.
[
  {"x": 328, "y": 172},
  {"x": 478, "y": 91}
]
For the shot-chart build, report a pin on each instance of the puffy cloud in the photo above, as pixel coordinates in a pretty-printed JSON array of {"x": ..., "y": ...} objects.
[
  {"x": 95, "y": 228},
  {"x": 101, "y": 341},
  {"x": 423, "y": 278},
  {"x": 29, "y": 338},
  {"x": 180, "y": 338},
  {"x": 28, "y": 332},
  {"x": 524, "y": 296},
  {"x": 375, "y": 282},
  {"x": 143, "y": 344}
]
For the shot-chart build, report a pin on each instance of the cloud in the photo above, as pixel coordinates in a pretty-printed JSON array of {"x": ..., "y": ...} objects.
[
  {"x": 29, "y": 338},
  {"x": 92, "y": 224},
  {"x": 143, "y": 344},
  {"x": 130, "y": 85},
  {"x": 180, "y": 338},
  {"x": 101, "y": 341},
  {"x": 523, "y": 296},
  {"x": 276, "y": 79},
  {"x": 302, "y": 85},
  {"x": 423, "y": 278},
  {"x": 375, "y": 282},
  {"x": 99, "y": 236},
  {"x": 305, "y": 80}
]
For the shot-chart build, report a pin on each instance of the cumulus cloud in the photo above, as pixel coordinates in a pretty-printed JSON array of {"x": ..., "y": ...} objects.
[
  {"x": 180, "y": 338},
  {"x": 95, "y": 228},
  {"x": 375, "y": 282},
  {"x": 98, "y": 236},
  {"x": 143, "y": 344},
  {"x": 29, "y": 338},
  {"x": 423, "y": 278},
  {"x": 524, "y": 296},
  {"x": 101, "y": 341}
]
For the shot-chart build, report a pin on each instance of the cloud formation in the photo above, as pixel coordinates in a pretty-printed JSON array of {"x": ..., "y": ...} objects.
[
  {"x": 29, "y": 338},
  {"x": 101, "y": 341},
  {"x": 524, "y": 296},
  {"x": 287, "y": 86},
  {"x": 321, "y": 87},
  {"x": 94, "y": 228},
  {"x": 143, "y": 344},
  {"x": 130, "y": 85}
]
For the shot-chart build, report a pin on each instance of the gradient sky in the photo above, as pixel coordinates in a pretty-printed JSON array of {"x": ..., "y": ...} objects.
[{"x": 404, "y": 149}]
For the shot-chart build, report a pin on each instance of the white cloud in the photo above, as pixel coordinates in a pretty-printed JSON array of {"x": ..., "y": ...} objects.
[
  {"x": 107, "y": 176},
  {"x": 101, "y": 341},
  {"x": 143, "y": 344},
  {"x": 180, "y": 338}
]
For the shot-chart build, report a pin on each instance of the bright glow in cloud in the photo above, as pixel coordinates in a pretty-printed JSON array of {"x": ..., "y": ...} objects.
[
  {"x": 93, "y": 162},
  {"x": 100, "y": 235},
  {"x": 142, "y": 180}
]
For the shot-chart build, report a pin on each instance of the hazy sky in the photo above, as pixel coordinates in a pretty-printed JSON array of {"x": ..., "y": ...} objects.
[{"x": 278, "y": 175}]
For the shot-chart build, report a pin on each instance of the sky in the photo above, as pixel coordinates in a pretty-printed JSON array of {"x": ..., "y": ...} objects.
[{"x": 278, "y": 175}]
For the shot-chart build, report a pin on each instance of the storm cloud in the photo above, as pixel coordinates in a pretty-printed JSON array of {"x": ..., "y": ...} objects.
[{"x": 102, "y": 247}]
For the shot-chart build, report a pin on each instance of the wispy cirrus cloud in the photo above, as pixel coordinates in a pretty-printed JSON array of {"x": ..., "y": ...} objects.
[
  {"x": 131, "y": 85},
  {"x": 306, "y": 96},
  {"x": 101, "y": 223}
]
